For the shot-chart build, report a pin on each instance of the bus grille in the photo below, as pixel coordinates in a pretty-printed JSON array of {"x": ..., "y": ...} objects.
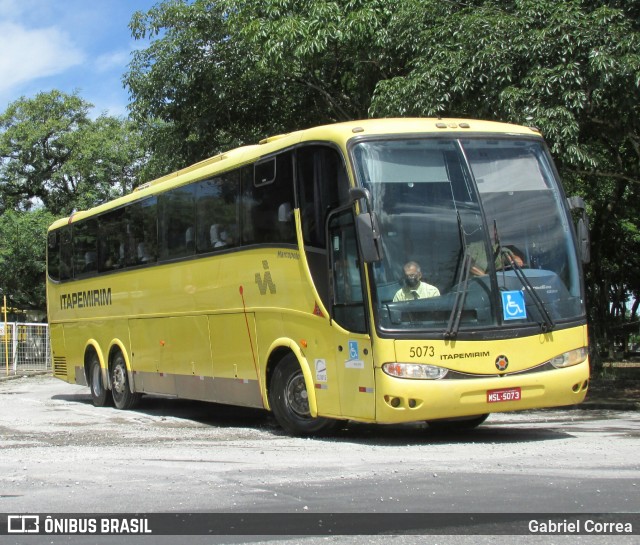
[{"x": 60, "y": 367}]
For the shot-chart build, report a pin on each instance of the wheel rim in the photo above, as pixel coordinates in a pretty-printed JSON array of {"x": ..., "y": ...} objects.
[
  {"x": 296, "y": 396},
  {"x": 119, "y": 379}
]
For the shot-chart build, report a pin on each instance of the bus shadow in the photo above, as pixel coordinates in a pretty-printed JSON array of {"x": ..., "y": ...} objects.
[
  {"x": 202, "y": 412},
  {"x": 420, "y": 433},
  {"x": 217, "y": 415},
  {"x": 206, "y": 413}
]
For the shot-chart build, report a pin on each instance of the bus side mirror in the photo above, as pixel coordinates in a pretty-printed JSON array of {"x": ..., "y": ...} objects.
[
  {"x": 582, "y": 228},
  {"x": 369, "y": 237},
  {"x": 367, "y": 227},
  {"x": 357, "y": 193}
]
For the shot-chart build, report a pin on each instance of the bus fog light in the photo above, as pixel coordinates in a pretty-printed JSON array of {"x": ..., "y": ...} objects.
[
  {"x": 415, "y": 371},
  {"x": 573, "y": 357}
]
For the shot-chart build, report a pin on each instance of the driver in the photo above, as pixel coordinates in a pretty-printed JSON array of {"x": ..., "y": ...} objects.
[
  {"x": 412, "y": 286},
  {"x": 479, "y": 262}
]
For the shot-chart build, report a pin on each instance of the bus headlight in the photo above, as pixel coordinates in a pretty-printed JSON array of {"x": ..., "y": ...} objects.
[
  {"x": 415, "y": 370},
  {"x": 573, "y": 357}
]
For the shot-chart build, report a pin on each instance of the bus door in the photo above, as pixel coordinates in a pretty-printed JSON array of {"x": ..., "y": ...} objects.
[{"x": 354, "y": 358}]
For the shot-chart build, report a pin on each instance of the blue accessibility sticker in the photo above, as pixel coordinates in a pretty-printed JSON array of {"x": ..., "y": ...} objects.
[
  {"x": 513, "y": 307},
  {"x": 354, "y": 352}
]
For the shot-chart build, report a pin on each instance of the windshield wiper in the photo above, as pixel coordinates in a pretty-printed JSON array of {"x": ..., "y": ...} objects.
[
  {"x": 461, "y": 293},
  {"x": 547, "y": 323}
]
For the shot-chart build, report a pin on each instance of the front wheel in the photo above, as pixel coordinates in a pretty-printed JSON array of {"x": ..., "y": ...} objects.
[
  {"x": 123, "y": 398},
  {"x": 289, "y": 401}
]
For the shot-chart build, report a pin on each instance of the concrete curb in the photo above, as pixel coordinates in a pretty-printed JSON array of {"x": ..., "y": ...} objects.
[{"x": 23, "y": 374}]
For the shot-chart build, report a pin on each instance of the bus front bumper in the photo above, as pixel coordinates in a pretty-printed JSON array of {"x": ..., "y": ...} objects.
[{"x": 405, "y": 400}]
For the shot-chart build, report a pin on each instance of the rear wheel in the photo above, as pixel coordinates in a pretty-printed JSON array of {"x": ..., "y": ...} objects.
[
  {"x": 123, "y": 398},
  {"x": 289, "y": 401},
  {"x": 100, "y": 396},
  {"x": 457, "y": 424}
]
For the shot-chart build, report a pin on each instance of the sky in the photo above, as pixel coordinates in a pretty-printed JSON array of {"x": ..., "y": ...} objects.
[{"x": 69, "y": 45}]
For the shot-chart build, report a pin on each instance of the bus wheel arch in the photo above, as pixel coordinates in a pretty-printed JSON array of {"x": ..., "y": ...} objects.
[
  {"x": 97, "y": 377},
  {"x": 289, "y": 398},
  {"x": 124, "y": 397}
]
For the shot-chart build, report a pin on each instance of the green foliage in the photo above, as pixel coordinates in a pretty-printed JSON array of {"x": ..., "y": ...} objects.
[
  {"x": 22, "y": 257},
  {"x": 38, "y": 137},
  {"x": 196, "y": 91},
  {"x": 225, "y": 73},
  {"x": 54, "y": 155},
  {"x": 54, "y": 159}
]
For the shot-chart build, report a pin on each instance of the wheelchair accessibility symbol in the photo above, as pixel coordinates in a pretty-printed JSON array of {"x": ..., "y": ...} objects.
[
  {"x": 354, "y": 352},
  {"x": 513, "y": 307}
]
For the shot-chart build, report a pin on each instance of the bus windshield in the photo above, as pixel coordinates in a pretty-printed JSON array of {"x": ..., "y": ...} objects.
[{"x": 474, "y": 235}]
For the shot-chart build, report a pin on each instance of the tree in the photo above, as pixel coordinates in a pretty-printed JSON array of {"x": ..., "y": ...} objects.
[
  {"x": 53, "y": 155},
  {"x": 198, "y": 90},
  {"x": 54, "y": 159},
  {"x": 22, "y": 257},
  {"x": 225, "y": 73}
]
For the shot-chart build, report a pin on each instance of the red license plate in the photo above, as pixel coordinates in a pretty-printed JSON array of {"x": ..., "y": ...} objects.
[{"x": 504, "y": 394}]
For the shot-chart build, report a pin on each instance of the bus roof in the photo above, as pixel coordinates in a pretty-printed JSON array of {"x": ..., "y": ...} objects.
[{"x": 339, "y": 133}]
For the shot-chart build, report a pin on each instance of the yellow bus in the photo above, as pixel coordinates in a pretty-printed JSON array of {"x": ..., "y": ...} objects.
[{"x": 383, "y": 271}]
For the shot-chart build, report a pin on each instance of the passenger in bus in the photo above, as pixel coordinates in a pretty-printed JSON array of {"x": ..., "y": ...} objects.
[
  {"x": 143, "y": 255},
  {"x": 412, "y": 285},
  {"x": 218, "y": 236},
  {"x": 89, "y": 261},
  {"x": 190, "y": 244}
]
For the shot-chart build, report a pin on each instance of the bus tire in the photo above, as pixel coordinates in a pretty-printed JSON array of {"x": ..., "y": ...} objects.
[
  {"x": 290, "y": 403},
  {"x": 462, "y": 423},
  {"x": 100, "y": 396},
  {"x": 123, "y": 398}
]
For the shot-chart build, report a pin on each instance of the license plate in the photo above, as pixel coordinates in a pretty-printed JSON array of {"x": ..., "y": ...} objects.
[{"x": 504, "y": 394}]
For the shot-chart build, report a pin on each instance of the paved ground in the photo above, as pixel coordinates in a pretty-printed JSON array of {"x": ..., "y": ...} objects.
[{"x": 61, "y": 454}]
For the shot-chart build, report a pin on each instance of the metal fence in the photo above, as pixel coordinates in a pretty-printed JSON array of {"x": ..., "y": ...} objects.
[{"x": 24, "y": 347}]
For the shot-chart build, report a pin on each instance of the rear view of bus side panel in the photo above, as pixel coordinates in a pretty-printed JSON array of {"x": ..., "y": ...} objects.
[{"x": 61, "y": 368}]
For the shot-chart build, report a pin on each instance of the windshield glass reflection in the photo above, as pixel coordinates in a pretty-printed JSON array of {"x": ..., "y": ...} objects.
[{"x": 480, "y": 222}]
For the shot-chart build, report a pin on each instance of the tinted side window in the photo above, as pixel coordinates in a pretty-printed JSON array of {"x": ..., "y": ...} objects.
[
  {"x": 322, "y": 186},
  {"x": 268, "y": 204},
  {"x": 142, "y": 234},
  {"x": 217, "y": 212},
  {"x": 85, "y": 247},
  {"x": 176, "y": 226},
  {"x": 53, "y": 254},
  {"x": 66, "y": 253},
  {"x": 112, "y": 242},
  {"x": 348, "y": 305}
]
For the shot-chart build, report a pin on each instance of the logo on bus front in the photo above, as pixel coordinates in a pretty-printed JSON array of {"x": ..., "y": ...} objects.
[{"x": 502, "y": 362}]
